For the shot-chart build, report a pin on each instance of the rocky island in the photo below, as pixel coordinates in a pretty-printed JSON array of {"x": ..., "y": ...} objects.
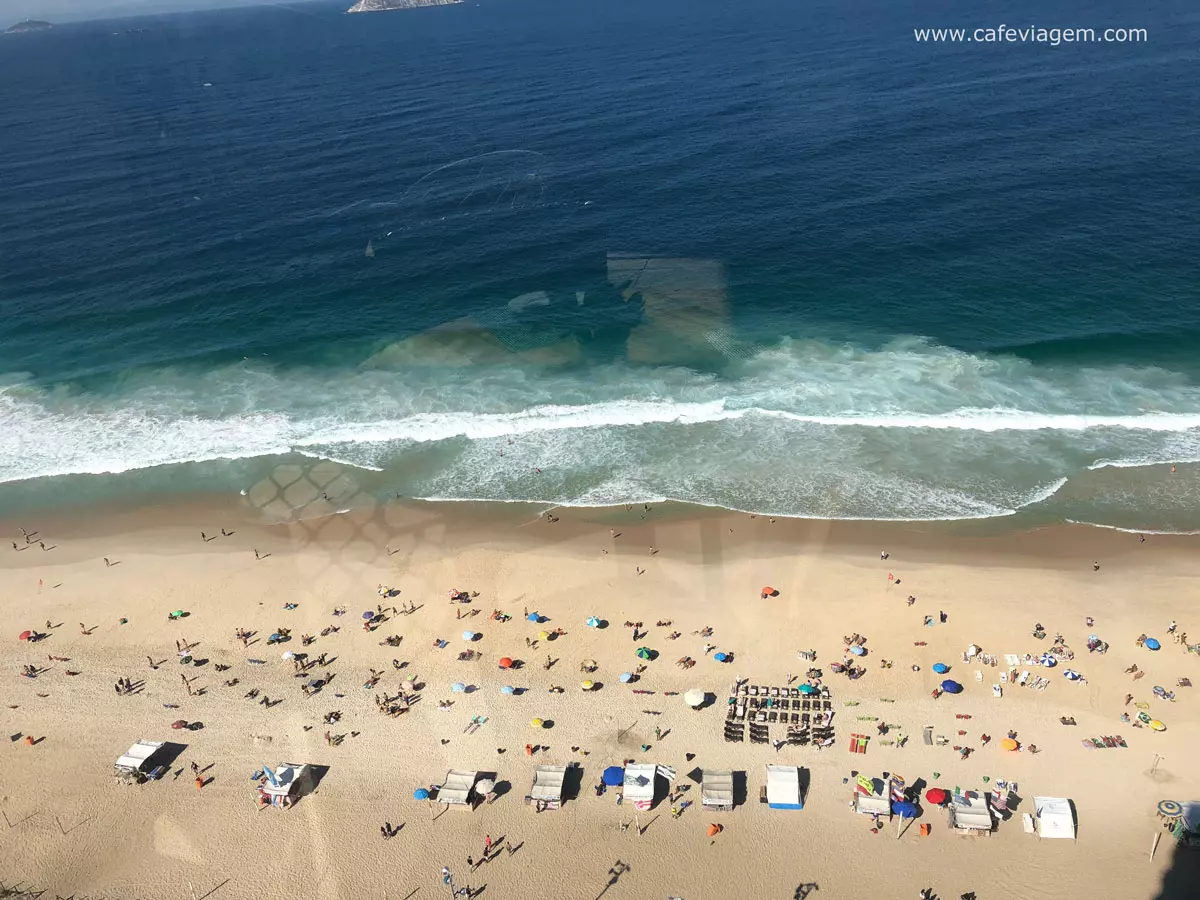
[
  {"x": 28, "y": 25},
  {"x": 363, "y": 6}
]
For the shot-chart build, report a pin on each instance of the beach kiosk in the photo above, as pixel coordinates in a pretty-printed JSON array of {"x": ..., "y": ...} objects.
[
  {"x": 871, "y": 797},
  {"x": 284, "y": 785},
  {"x": 783, "y": 788},
  {"x": 969, "y": 813},
  {"x": 457, "y": 789},
  {"x": 716, "y": 790},
  {"x": 136, "y": 765},
  {"x": 547, "y": 790},
  {"x": 1054, "y": 819}
]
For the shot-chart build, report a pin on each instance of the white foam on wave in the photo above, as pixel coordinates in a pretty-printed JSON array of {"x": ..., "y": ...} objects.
[{"x": 1132, "y": 530}]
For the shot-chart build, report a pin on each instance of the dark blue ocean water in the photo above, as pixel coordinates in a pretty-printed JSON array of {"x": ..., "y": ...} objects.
[{"x": 762, "y": 255}]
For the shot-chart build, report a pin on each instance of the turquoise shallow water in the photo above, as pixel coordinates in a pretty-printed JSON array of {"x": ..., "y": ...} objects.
[{"x": 762, "y": 257}]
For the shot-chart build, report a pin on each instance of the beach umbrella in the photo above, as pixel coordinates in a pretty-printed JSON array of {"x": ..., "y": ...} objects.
[
  {"x": 177, "y": 614},
  {"x": 1156, "y": 725},
  {"x": 626, "y": 677},
  {"x": 941, "y": 668},
  {"x": 288, "y": 654},
  {"x": 420, "y": 794},
  {"x": 936, "y": 796},
  {"x": 468, "y": 635},
  {"x": 458, "y": 687},
  {"x": 508, "y": 689},
  {"x": 506, "y": 662},
  {"x": 769, "y": 591},
  {"x": 179, "y": 723},
  {"x": 485, "y": 786},
  {"x": 534, "y": 617},
  {"x": 543, "y": 635},
  {"x": 808, "y": 690},
  {"x": 951, "y": 687},
  {"x": 613, "y": 776},
  {"x": 721, "y": 657},
  {"x": 643, "y": 653},
  {"x": 537, "y": 723},
  {"x": 1152, "y": 644},
  {"x": 714, "y": 829},
  {"x": 1049, "y": 661},
  {"x": 1170, "y": 808},
  {"x": 904, "y": 809},
  {"x": 1009, "y": 744},
  {"x": 857, "y": 650},
  {"x": 694, "y": 698},
  {"x": 588, "y": 685},
  {"x": 25, "y": 635},
  {"x": 406, "y": 685},
  {"x": 274, "y": 636},
  {"x": 368, "y": 613},
  {"x": 593, "y": 622}
]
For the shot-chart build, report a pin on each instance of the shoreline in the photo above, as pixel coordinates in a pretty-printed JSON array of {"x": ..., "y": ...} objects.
[{"x": 705, "y": 570}]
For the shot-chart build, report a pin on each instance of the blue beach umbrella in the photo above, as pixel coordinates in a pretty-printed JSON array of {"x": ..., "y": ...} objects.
[
  {"x": 534, "y": 617},
  {"x": 720, "y": 657},
  {"x": 857, "y": 650},
  {"x": 904, "y": 809},
  {"x": 458, "y": 687},
  {"x": 593, "y": 622},
  {"x": 613, "y": 776},
  {"x": 626, "y": 677},
  {"x": 941, "y": 668},
  {"x": 368, "y": 614},
  {"x": 643, "y": 653},
  {"x": 507, "y": 689},
  {"x": 1152, "y": 644},
  {"x": 951, "y": 687},
  {"x": 808, "y": 690},
  {"x": 420, "y": 794},
  {"x": 468, "y": 635}
]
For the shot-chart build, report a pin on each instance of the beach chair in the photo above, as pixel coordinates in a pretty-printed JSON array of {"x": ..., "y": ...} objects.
[
  {"x": 978, "y": 675},
  {"x": 997, "y": 691},
  {"x": 928, "y": 735},
  {"x": 1027, "y": 823}
]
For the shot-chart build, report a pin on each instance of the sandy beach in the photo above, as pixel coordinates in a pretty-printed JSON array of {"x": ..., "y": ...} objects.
[{"x": 73, "y": 830}]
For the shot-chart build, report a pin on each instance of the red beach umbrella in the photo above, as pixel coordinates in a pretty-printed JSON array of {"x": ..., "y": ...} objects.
[
  {"x": 25, "y": 635},
  {"x": 936, "y": 796},
  {"x": 179, "y": 723},
  {"x": 506, "y": 662}
]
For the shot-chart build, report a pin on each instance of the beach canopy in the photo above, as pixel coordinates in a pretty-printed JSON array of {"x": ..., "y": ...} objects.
[
  {"x": 456, "y": 789},
  {"x": 25, "y": 635},
  {"x": 941, "y": 668},
  {"x": 808, "y": 690},
  {"x": 458, "y": 687},
  {"x": 783, "y": 788},
  {"x": 904, "y": 809},
  {"x": 720, "y": 657},
  {"x": 1009, "y": 744},
  {"x": 420, "y": 794},
  {"x": 716, "y": 789},
  {"x": 626, "y": 677},
  {"x": 593, "y": 622},
  {"x": 506, "y": 662},
  {"x": 1152, "y": 644},
  {"x": 613, "y": 776},
  {"x": 694, "y": 698},
  {"x": 643, "y": 652},
  {"x": 1054, "y": 818},
  {"x": 508, "y": 689},
  {"x": 534, "y": 617},
  {"x": 468, "y": 635},
  {"x": 951, "y": 687},
  {"x": 936, "y": 796}
]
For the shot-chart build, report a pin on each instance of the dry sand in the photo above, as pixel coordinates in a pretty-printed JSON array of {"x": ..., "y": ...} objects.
[{"x": 73, "y": 830}]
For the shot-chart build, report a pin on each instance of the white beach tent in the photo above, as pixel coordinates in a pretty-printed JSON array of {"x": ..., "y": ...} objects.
[
  {"x": 547, "y": 790},
  {"x": 783, "y": 787},
  {"x": 456, "y": 789},
  {"x": 639, "y": 785},
  {"x": 284, "y": 783},
  {"x": 716, "y": 790},
  {"x": 970, "y": 812},
  {"x": 134, "y": 763},
  {"x": 1054, "y": 819}
]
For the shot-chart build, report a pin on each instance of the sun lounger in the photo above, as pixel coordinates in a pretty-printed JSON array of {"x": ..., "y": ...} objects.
[
  {"x": 997, "y": 691},
  {"x": 928, "y": 735},
  {"x": 978, "y": 675}
]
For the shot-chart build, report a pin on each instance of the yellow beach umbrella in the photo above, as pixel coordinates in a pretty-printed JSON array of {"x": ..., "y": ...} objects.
[
  {"x": 536, "y": 723},
  {"x": 1009, "y": 744},
  {"x": 588, "y": 685},
  {"x": 543, "y": 635},
  {"x": 1156, "y": 725}
]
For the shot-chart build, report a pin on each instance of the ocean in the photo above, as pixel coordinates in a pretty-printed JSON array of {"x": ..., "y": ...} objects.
[{"x": 764, "y": 256}]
